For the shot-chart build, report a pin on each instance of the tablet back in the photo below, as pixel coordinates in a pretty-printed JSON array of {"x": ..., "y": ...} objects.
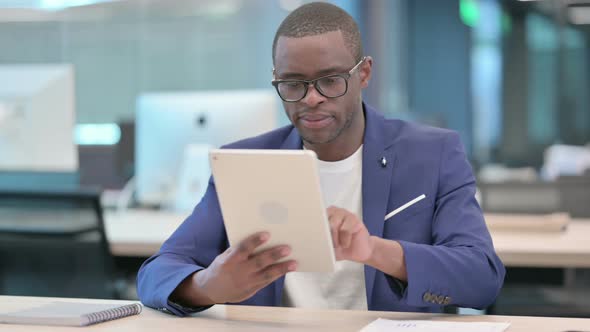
[{"x": 276, "y": 191}]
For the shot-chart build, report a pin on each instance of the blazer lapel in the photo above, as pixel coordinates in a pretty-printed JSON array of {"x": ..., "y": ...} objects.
[
  {"x": 378, "y": 163},
  {"x": 293, "y": 141}
]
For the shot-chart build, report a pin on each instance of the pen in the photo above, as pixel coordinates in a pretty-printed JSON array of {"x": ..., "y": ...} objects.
[{"x": 405, "y": 206}]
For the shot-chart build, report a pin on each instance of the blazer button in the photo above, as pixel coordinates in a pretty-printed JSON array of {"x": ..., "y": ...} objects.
[
  {"x": 447, "y": 300},
  {"x": 427, "y": 297}
]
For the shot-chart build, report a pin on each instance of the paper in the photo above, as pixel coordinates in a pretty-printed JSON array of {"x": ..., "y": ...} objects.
[{"x": 432, "y": 326}]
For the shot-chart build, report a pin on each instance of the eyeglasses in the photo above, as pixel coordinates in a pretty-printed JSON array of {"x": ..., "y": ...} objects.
[{"x": 330, "y": 86}]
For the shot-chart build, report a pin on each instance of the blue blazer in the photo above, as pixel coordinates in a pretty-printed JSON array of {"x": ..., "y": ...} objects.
[{"x": 448, "y": 250}]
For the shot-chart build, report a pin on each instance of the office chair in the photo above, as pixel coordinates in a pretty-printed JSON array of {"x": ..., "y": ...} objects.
[{"x": 54, "y": 244}]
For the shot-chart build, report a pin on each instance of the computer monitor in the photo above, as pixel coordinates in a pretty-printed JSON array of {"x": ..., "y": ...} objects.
[
  {"x": 37, "y": 119},
  {"x": 173, "y": 131}
]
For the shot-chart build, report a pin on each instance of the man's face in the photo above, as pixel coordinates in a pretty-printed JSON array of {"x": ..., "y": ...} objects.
[{"x": 317, "y": 118}]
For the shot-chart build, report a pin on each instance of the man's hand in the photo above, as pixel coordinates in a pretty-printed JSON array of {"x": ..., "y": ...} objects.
[
  {"x": 350, "y": 236},
  {"x": 236, "y": 274},
  {"x": 352, "y": 242}
]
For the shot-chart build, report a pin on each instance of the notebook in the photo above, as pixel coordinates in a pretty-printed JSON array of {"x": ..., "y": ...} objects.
[{"x": 68, "y": 313}]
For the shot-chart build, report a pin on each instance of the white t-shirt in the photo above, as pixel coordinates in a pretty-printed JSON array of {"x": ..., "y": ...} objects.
[{"x": 341, "y": 184}]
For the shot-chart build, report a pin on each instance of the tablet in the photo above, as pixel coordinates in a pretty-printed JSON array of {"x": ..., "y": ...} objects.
[{"x": 276, "y": 191}]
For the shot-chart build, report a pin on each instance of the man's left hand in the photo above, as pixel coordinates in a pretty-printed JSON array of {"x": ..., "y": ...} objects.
[{"x": 350, "y": 237}]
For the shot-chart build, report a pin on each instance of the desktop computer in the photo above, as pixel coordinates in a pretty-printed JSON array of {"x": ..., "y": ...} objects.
[
  {"x": 175, "y": 130},
  {"x": 37, "y": 117}
]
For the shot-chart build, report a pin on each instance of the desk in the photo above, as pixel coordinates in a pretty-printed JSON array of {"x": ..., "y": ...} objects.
[
  {"x": 140, "y": 233},
  {"x": 568, "y": 249},
  {"x": 245, "y": 318}
]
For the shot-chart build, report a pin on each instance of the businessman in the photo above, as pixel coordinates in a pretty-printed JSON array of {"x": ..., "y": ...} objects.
[{"x": 434, "y": 253}]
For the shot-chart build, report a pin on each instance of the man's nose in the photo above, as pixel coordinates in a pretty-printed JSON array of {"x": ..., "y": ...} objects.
[{"x": 313, "y": 97}]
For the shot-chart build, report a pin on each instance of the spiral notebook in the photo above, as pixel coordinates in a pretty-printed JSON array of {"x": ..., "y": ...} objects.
[{"x": 68, "y": 313}]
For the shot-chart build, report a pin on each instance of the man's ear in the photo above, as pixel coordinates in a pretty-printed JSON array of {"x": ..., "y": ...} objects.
[{"x": 365, "y": 71}]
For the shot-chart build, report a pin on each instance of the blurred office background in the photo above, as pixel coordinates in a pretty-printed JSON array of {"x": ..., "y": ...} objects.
[{"x": 512, "y": 77}]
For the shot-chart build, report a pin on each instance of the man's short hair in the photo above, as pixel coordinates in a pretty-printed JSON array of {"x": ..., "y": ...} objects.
[{"x": 317, "y": 18}]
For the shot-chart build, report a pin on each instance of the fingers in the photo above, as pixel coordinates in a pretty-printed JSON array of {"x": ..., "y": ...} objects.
[
  {"x": 265, "y": 277},
  {"x": 343, "y": 226},
  {"x": 244, "y": 249},
  {"x": 273, "y": 272},
  {"x": 334, "y": 230},
  {"x": 264, "y": 259},
  {"x": 266, "y": 269},
  {"x": 345, "y": 238},
  {"x": 332, "y": 210},
  {"x": 250, "y": 262},
  {"x": 350, "y": 226},
  {"x": 335, "y": 218}
]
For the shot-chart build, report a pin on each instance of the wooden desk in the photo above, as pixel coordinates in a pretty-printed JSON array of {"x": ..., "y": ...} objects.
[
  {"x": 245, "y": 318},
  {"x": 568, "y": 249},
  {"x": 140, "y": 233}
]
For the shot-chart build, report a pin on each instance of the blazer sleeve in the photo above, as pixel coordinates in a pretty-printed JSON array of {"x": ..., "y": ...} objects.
[
  {"x": 460, "y": 267},
  {"x": 192, "y": 247}
]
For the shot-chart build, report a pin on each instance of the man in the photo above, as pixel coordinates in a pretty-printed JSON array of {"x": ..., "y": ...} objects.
[{"x": 436, "y": 252}]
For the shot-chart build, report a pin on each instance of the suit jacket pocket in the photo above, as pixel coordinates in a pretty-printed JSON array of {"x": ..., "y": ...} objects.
[{"x": 418, "y": 207}]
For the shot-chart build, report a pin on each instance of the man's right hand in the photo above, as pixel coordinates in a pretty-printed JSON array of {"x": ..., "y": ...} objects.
[{"x": 236, "y": 274}]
